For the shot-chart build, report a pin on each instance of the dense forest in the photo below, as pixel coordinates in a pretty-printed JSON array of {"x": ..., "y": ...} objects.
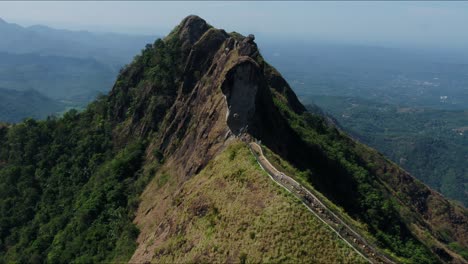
[
  {"x": 65, "y": 191},
  {"x": 68, "y": 192}
]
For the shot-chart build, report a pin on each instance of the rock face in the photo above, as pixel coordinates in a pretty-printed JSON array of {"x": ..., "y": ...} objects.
[
  {"x": 224, "y": 88},
  {"x": 190, "y": 30},
  {"x": 218, "y": 93},
  {"x": 240, "y": 87}
]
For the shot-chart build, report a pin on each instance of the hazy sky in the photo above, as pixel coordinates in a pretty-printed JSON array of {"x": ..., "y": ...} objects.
[{"x": 381, "y": 23}]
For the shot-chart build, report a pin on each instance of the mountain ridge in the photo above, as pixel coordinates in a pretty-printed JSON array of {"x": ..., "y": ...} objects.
[
  {"x": 165, "y": 153},
  {"x": 260, "y": 125}
]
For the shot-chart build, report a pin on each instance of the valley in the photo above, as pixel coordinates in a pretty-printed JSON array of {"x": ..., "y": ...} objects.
[
  {"x": 408, "y": 104},
  {"x": 69, "y": 69},
  {"x": 429, "y": 143}
]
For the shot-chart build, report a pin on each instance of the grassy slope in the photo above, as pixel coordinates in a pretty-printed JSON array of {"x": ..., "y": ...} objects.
[{"x": 232, "y": 211}]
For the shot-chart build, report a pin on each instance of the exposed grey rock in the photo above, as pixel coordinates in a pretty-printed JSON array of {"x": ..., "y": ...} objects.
[
  {"x": 240, "y": 88},
  {"x": 249, "y": 39},
  {"x": 192, "y": 28}
]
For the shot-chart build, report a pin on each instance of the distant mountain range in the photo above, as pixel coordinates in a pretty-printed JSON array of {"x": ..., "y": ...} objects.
[
  {"x": 110, "y": 48},
  {"x": 57, "y": 77},
  {"x": 16, "y": 105},
  {"x": 53, "y": 69}
]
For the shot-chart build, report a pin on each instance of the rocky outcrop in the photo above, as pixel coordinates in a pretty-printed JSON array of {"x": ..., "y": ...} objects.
[
  {"x": 223, "y": 78},
  {"x": 240, "y": 87},
  {"x": 190, "y": 30}
]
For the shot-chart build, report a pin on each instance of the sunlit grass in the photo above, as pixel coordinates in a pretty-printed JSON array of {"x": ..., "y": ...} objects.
[{"x": 232, "y": 211}]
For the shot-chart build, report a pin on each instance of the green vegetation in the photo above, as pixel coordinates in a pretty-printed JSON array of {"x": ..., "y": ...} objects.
[
  {"x": 66, "y": 195},
  {"x": 250, "y": 219},
  {"x": 459, "y": 249},
  {"x": 303, "y": 178},
  {"x": 338, "y": 170},
  {"x": 147, "y": 88},
  {"x": 68, "y": 190},
  {"x": 431, "y": 144}
]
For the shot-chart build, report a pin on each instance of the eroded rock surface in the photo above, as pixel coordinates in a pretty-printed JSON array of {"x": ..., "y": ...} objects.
[{"x": 240, "y": 87}]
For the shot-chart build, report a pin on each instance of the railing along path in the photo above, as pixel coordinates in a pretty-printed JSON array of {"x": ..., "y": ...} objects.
[{"x": 344, "y": 231}]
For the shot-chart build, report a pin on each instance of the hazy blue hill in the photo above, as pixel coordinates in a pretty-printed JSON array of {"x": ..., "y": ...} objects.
[
  {"x": 57, "y": 77},
  {"x": 17, "y": 105},
  {"x": 111, "y": 48},
  {"x": 68, "y": 67},
  {"x": 106, "y": 47}
]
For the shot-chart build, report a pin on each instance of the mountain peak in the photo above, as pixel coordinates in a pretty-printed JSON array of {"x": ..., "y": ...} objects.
[
  {"x": 190, "y": 30},
  {"x": 191, "y": 20}
]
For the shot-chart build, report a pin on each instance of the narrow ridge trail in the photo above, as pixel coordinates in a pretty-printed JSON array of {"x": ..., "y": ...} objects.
[{"x": 344, "y": 231}]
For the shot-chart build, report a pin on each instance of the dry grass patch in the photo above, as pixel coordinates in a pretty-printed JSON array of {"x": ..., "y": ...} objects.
[{"x": 232, "y": 212}]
